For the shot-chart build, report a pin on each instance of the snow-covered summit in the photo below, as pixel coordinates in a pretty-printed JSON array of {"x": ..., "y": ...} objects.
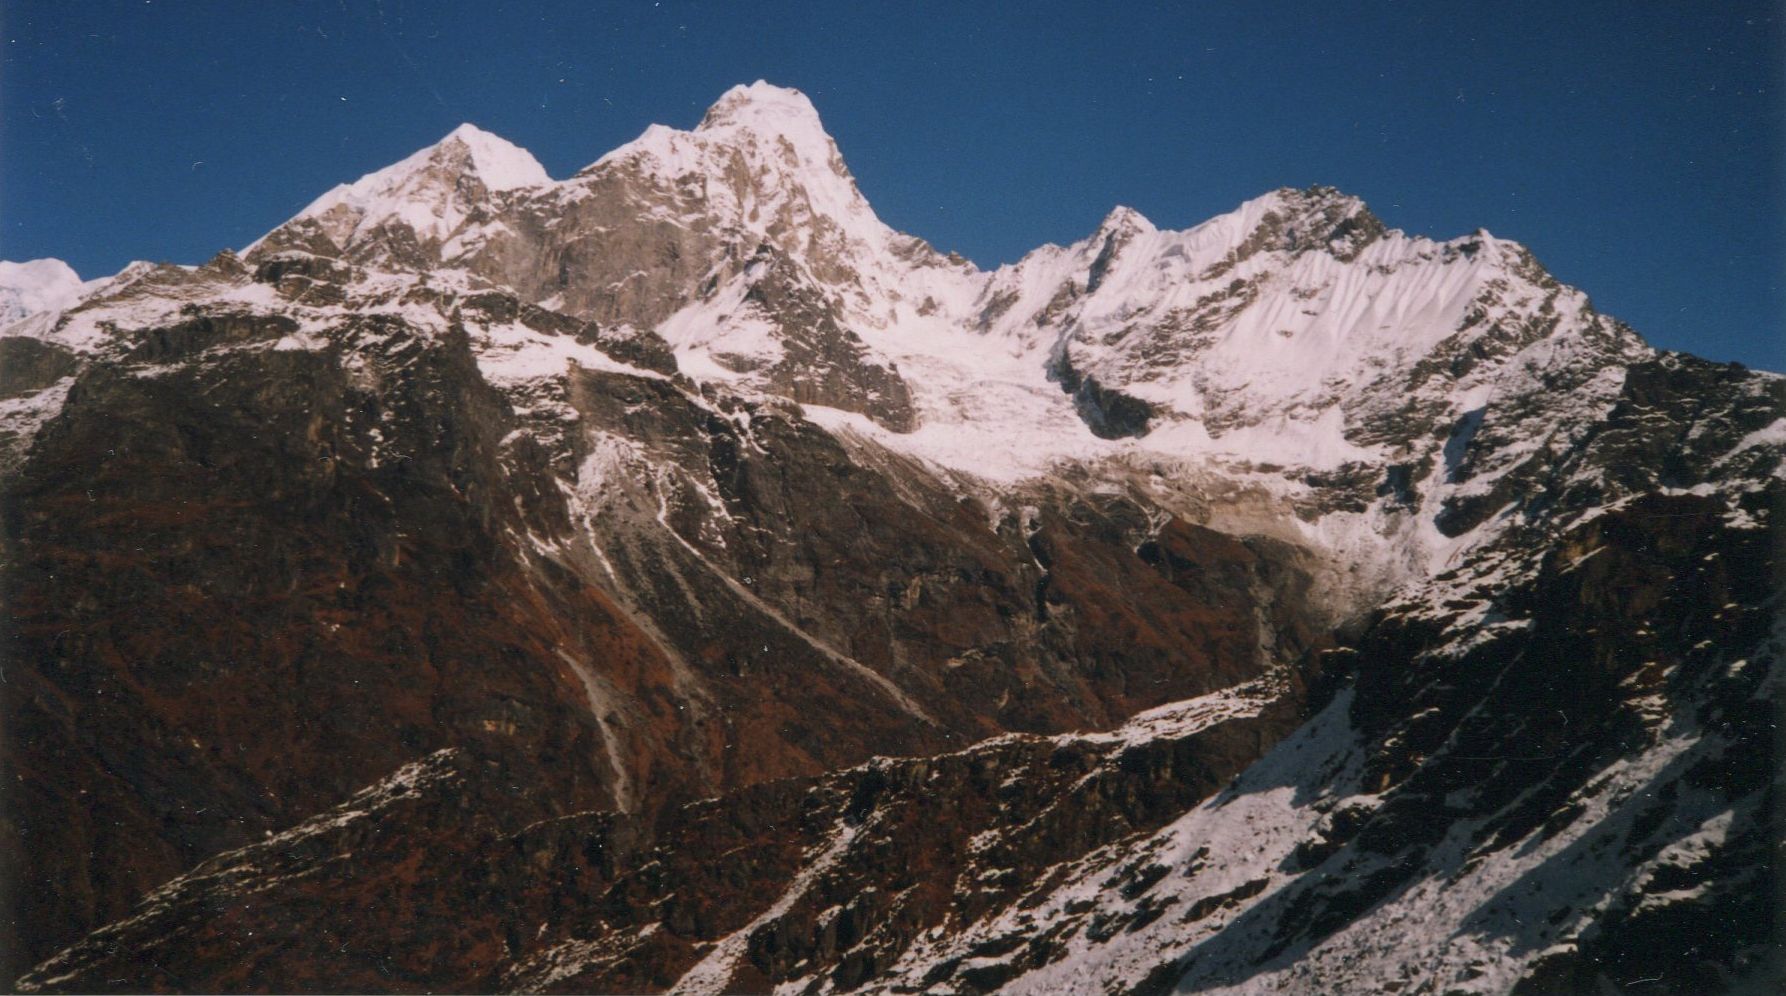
[
  {"x": 500, "y": 164},
  {"x": 469, "y": 150},
  {"x": 1296, "y": 330},
  {"x": 1287, "y": 220},
  {"x": 38, "y": 285},
  {"x": 779, "y": 120},
  {"x": 1124, "y": 220},
  {"x": 432, "y": 191},
  {"x": 764, "y": 106},
  {"x": 761, "y": 169},
  {"x": 765, "y": 162}
]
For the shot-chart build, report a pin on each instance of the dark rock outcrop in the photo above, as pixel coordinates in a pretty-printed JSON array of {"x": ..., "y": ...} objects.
[
  {"x": 442, "y": 876},
  {"x": 1108, "y": 413},
  {"x": 244, "y": 579},
  {"x": 454, "y": 593}
]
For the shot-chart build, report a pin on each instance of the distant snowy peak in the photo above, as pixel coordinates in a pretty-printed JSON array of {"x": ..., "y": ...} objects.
[
  {"x": 497, "y": 162},
  {"x": 761, "y": 169},
  {"x": 1316, "y": 218},
  {"x": 764, "y": 107},
  {"x": 1285, "y": 220},
  {"x": 1298, "y": 315},
  {"x": 466, "y": 151},
  {"x": 778, "y": 121},
  {"x": 1121, "y": 223},
  {"x": 38, "y": 285},
  {"x": 432, "y": 192},
  {"x": 1296, "y": 330},
  {"x": 764, "y": 163}
]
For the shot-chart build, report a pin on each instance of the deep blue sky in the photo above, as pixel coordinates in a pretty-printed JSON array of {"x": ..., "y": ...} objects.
[{"x": 1636, "y": 147}]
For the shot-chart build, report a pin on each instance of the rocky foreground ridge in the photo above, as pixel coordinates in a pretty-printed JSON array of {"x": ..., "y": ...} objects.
[{"x": 671, "y": 577}]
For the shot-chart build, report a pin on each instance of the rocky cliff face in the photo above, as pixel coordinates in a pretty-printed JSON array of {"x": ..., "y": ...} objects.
[{"x": 673, "y": 577}]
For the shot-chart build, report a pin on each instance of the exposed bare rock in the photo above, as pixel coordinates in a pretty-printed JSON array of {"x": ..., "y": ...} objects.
[{"x": 672, "y": 577}]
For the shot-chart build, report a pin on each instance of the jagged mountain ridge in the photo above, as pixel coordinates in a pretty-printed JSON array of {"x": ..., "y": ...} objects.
[
  {"x": 697, "y": 400},
  {"x": 760, "y": 170},
  {"x": 1296, "y": 331}
]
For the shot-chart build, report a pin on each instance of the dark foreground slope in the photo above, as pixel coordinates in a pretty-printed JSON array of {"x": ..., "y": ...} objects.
[
  {"x": 245, "y": 580},
  {"x": 1554, "y": 770}
]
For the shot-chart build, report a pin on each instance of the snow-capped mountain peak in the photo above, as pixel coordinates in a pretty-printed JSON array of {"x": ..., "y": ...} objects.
[
  {"x": 38, "y": 285},
  {"x": 1124, "y": 219},
  {"x": 1291, "y": 220},
  {"x": 764, "y": 163},
  {"x": 466, "y": 150},
  {"x": 761, "y": 169},
  {"x": 499, "y": 163},
  {"x": 686, "y": 478},
  {"x": 432, "y": 191},
  {"x": 1291, "y": 329},
  {"x": 763, "y": 106}
]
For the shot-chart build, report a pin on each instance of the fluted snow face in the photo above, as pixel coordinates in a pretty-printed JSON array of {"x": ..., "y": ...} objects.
[
  {"x": 1282, "y": 302},
  {"x": 1281, "y": 329}
]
